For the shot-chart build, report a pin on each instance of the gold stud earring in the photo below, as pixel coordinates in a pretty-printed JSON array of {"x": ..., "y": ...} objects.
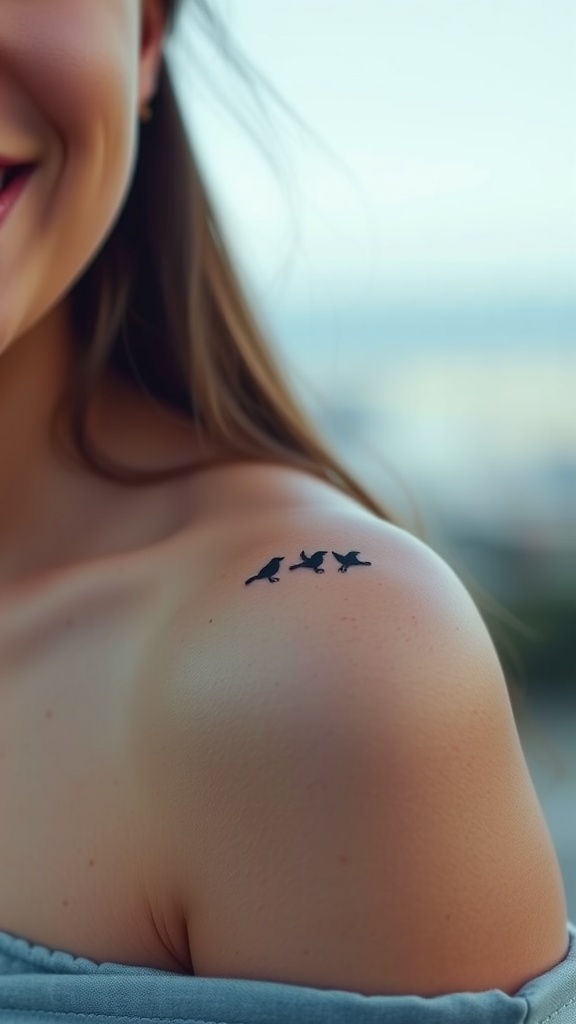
[{"x": 146, "y": 113}]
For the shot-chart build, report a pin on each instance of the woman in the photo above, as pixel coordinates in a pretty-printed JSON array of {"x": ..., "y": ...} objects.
[{"x": 251, "y": 727}]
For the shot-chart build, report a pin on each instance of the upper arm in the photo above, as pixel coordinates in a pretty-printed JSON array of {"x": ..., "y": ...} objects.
[{"x": 346, "y": 795}]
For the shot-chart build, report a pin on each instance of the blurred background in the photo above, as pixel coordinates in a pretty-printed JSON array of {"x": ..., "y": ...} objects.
[{"x": 412, "y": 250}]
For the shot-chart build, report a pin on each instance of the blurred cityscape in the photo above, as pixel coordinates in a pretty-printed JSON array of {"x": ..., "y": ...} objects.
[{"x": 480, "y": 432}]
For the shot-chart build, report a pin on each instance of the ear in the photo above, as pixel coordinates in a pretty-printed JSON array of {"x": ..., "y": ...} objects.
[{"x": 152, "y": 29}]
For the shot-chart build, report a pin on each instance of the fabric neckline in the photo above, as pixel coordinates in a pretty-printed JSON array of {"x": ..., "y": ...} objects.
[{"x": 34, "y": 954}]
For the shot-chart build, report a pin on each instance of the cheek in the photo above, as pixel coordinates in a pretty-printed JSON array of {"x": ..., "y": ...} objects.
[
  {"x": 91, "y": 174},
  {"x": 92, "y": 82},
  {"x": 82, "y": 75},
  {"x": 79, "y": 65}
]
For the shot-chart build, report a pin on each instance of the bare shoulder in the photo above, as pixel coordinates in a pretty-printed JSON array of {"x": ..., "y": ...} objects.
[{"x": 338, "y": 772}]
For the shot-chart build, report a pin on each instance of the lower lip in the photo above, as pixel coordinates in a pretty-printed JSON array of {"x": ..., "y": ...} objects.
[{"x": 9, "y": 196}]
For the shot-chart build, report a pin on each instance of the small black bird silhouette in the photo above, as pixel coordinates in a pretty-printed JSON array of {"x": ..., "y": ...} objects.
[
  {"x": 348, "y": 560},
  {"x": 314, "y": 562},
  {"x": 267, "y": 573}
]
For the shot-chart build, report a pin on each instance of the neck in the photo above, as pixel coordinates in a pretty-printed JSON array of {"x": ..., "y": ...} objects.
[{"x": 34, "y": 369}]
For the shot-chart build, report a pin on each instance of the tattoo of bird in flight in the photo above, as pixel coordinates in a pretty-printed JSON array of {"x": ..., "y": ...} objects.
[{"x": 313, "y": 562}]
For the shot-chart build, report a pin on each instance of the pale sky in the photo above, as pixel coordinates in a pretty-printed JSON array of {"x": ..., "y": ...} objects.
[{"x": 456, "y": 124}]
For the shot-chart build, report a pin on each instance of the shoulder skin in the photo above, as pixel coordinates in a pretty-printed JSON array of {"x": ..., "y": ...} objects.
[{"x": 338, "y": 775}]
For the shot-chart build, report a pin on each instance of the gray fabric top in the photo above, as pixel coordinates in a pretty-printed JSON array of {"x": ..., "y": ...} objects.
[{"x": 40, "y": 984}]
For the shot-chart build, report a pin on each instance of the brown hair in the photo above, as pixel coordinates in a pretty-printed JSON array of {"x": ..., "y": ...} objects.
[{"x": 162, "y": 305}]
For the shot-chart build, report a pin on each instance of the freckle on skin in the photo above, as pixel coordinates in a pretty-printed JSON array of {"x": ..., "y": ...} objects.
[
  {"x": 343, "y": 859},
  {"x": 48, "y": 714},
  {"x": 91, "y": 863}
]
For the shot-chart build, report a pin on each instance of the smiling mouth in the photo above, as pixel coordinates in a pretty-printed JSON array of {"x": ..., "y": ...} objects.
[
  {"x": 13, "y": 181},
  {"x": 10, "y": 174}
]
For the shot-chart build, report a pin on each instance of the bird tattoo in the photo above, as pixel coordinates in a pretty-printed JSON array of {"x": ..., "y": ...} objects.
[
  {"x": 268, "y": 572},
  {"x": 347, "y": 560},
  {"x": 313, "y": 562}
]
